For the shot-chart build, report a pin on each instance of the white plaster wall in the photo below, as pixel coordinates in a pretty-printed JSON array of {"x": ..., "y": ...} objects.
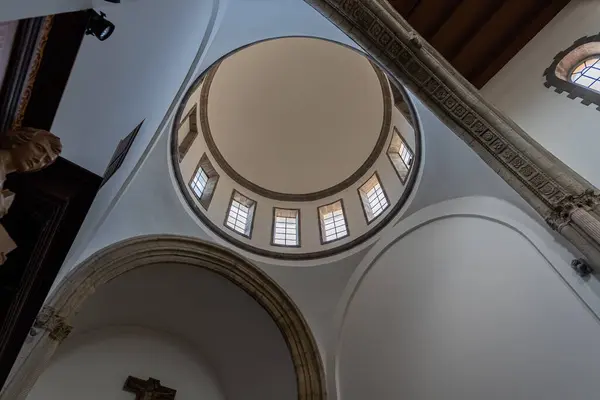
[
  {"x": 565, "y": 127},
  {"x": 468, "y": 301},
  {"x": 95, "y": 365},
  {"x": 133, "y": 76},
  {"x": 19, "y": 9}
]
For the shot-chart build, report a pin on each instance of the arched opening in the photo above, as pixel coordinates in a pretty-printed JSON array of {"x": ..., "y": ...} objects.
[{"x": 120, "y": 262}]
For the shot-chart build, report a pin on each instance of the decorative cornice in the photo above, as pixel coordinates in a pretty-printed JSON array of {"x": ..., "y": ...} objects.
[
  {"x": 296, "y": 197},
  {"x": 49, "y": 321}
]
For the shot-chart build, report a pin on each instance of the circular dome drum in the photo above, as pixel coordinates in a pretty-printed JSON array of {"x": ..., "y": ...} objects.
[{"x": 295, "y": 148}]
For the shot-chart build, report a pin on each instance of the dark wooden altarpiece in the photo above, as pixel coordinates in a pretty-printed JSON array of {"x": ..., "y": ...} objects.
[{"x": 50, "y": 205}]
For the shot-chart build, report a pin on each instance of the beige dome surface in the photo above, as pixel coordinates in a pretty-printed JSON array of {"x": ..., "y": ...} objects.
[{"x": 296, "y": 115}]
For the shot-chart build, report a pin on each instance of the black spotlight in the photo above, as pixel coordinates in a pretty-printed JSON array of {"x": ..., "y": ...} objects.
[{"x": 99, "y": 26}]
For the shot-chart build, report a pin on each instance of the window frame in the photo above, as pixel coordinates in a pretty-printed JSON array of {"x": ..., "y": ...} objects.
[
  {"x": 211, "y": 184},
  {"x": 191, "y": 135},
  {"x": 365, "y": 202},
  {"x": 558, "y": 74},
  {"x": 298, "y": 228},
  {"x": 251, "y": 214},
  {"x": 322, "y": 224},
  {"x": 389, "y": 155},
  {"x": 120, "y": 154}
]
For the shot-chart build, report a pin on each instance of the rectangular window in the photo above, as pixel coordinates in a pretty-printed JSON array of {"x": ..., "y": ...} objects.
[
  {"x": 199, "y": 182},
  {"x": 373, "y": 198},
  {"x": 191, "y": 121},
  {"x": 204, "y": 181},
  {"x": 240, "y": 214},
  {"x": 286, "y": 227},
  {"x": 400, "y": 155},
  {"x": 333, "y": 222}
]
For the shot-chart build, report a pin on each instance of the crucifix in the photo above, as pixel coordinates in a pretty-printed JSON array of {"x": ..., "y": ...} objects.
[{"x": 148, "y": 390}]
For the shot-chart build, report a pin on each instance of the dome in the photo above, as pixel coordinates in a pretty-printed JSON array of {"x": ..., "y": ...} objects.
[
  {"x": 295, "y": 117},
  {"x": 294, "y": 148}
]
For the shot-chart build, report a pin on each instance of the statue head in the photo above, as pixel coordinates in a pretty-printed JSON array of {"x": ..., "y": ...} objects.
[{"x": 30, "y": 149}]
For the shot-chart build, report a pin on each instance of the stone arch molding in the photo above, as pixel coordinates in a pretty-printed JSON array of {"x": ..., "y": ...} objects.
[{"x": 52, "y": 324}]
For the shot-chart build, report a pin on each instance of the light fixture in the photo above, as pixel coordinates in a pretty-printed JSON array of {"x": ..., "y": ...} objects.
[{"x": 99, "y": 26}]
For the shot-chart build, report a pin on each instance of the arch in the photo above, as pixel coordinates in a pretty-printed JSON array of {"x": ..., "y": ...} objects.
[
  {"x": 559, "y": 74},
  {"x": 139, "y": 252},
  {"x": 410, "y": 115},
  {"x": 481, "y": 207}
]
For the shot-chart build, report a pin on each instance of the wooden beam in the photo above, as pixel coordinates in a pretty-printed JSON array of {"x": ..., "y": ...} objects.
[
  {"x": 519, "y": 41},
  {"x": 429, "y": 15},
  {"x": 404, "y": 7},
  {"x": 489, "y": 40},
  {"x": 464, "y": 22}
]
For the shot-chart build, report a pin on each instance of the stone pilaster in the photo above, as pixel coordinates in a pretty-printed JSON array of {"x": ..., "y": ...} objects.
[{"x": 541, "y": 179}]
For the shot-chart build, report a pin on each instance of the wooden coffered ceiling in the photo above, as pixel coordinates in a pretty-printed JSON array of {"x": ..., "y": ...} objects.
[{"x": 478, "y": 37}]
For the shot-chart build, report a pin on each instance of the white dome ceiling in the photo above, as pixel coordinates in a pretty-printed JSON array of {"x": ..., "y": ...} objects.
[
  {"x": 296, "y": 115},
  {"x": 235, "y": 335}
]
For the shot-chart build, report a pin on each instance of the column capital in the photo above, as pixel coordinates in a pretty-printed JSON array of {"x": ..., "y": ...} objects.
[
  {"x": 56, "y": 326},
  {"x": 561, "y": 213}
]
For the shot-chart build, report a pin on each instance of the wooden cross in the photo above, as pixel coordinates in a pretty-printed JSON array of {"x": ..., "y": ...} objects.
[{"x": 148, "y": 390}]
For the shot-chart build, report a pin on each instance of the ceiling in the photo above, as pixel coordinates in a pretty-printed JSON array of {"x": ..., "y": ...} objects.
[
  {"x": 279, "y": 103},
  {"x": 206, "y": 311},
  {"x": 478, "y": 37}
]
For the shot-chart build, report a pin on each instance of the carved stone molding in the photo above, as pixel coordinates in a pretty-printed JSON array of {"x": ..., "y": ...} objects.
[
  {"x": 541, "y": 179},
  {"x": 147, "y": 251},
  {"x": 561, "y": 214},
  {"x": 49, "y": 320}
]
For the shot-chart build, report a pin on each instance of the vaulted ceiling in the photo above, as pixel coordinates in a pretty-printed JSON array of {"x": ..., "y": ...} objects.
[{"x": 478, "y": 37}]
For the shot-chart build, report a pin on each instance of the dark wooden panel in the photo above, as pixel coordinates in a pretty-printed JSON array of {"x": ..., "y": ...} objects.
[
  {"x": 478, "y": 37},
  {"x": 404, "y": 7},
  {"x": 520, "y": 39},
  {"x": 55, "y": 68},
  {"x": 24, "y": 49},
  {"x": 429, "y": 15},
  {"x": 487, "y": 42},
  {"x": 466, "y": 20}
]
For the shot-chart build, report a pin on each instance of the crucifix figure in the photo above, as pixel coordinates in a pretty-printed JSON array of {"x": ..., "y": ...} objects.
[{"x": 148, "y": 390}]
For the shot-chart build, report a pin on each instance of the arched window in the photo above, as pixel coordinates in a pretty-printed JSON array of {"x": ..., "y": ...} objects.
[
  {"x": 576, "y": 70},
  {"x": 587, "y": 73}
]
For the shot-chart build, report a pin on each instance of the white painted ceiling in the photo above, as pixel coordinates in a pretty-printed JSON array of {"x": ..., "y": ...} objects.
[
  {"x": 237, "y": 338},
  {"x": 295, "y": 115}
]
